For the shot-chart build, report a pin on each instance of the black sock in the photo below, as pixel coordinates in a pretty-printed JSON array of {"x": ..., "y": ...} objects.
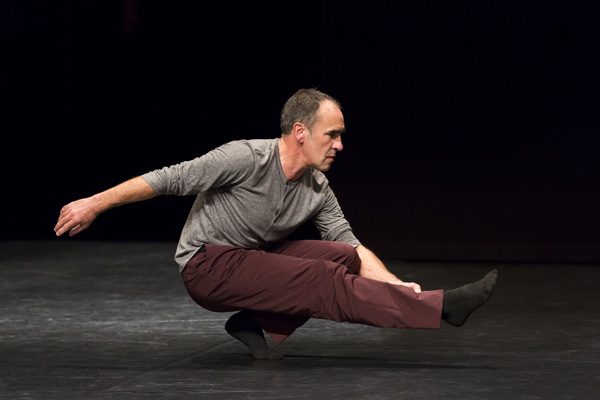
[
  {"x": 244, "y": 328},
  {"x": 459, "y": 303}
]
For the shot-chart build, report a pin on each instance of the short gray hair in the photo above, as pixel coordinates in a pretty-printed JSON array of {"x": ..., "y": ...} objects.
[{"x": 303, "y": 107}]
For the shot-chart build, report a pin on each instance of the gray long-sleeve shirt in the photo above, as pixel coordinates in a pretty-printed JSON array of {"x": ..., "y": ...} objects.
[{"x": 244, "y": 199}]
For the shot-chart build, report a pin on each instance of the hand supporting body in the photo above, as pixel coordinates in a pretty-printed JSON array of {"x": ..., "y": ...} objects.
[
  {"x": 372, "y": 267},
  {"x": 79, "y": 215}
]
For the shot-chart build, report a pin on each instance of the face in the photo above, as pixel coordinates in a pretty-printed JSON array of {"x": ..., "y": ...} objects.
[{"x": 323, "y": 140}]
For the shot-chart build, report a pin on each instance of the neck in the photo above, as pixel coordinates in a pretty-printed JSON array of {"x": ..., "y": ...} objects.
[{"x": 290, "y": 157}]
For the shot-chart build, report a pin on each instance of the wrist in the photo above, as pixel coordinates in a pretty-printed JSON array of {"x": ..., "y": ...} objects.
[{"x": 100, "y": 203}]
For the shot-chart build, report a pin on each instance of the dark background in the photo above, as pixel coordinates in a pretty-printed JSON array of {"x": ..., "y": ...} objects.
[{"x": 472, "y": 126}]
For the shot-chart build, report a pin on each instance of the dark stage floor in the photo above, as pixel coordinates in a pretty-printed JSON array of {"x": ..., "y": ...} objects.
[{"x": 89, "y": 320}]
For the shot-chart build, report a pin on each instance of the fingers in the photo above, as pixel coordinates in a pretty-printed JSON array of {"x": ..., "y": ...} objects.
[
  {"x": 76, "y": 230},
  {"x": 414, "y": 286},
  {"x": 64, "y": 224},
  {"x": 62, "y": 221},
  {"x": 69, "y": 222},
  {"x": 68, "y": 226}
]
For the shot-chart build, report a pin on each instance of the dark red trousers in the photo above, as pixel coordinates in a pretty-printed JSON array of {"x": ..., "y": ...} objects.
[{"x": 286, "y": 285}]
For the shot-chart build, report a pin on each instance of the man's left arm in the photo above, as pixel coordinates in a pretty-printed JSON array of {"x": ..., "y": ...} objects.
[
  {"x": 333, "y": 226},
  {"x": 371, "y": 267}
]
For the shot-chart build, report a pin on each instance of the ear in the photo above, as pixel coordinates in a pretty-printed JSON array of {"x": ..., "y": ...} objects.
[{"x": 299, "y": 131}]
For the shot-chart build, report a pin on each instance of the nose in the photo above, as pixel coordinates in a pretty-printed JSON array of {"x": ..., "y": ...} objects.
[{"x": 337, "y": 144}]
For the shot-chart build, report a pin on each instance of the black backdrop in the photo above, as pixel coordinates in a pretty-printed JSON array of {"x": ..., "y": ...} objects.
[{"x": 472, "y": 126}]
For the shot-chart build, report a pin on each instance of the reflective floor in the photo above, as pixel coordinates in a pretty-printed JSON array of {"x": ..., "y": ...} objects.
[{"x": 98, "y": 320}]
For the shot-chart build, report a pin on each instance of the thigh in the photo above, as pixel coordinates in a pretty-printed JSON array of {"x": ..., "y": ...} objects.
[
  {"x": 239, "y": 278},
  {"x": 341, "y": 253}
]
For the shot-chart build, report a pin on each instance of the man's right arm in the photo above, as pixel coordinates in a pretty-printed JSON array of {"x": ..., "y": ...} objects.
[{"x": 78, "y": 215}]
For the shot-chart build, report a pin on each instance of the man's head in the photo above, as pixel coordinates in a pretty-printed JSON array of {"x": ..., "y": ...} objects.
[
  {"x": 303, "y": 107},
  {"x": 314, "y": 122}
]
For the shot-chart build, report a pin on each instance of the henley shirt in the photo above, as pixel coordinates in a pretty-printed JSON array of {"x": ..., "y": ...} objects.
[{"x": 244, "y": 199}]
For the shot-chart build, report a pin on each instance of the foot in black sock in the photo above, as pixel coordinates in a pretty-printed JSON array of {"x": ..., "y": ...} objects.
[
  {"x": 459, "y": 303},
  {"x": 244, "y": 328}
]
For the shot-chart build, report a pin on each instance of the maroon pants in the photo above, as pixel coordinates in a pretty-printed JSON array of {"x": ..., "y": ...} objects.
[{"x": 286, "y": 285}]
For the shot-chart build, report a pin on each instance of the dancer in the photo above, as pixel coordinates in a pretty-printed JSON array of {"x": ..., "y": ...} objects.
[{"x": 233, "y": 254}]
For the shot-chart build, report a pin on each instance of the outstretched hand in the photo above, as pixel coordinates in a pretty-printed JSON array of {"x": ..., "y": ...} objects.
[
  {"x": 414, "y": 286},
  {"x": 372, "y": 267},
  {"x": 76, "y": 216},
  {"x": 79, "y": 215}
]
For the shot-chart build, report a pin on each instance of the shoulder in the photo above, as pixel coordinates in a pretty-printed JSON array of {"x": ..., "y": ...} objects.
[
  {"x": 244, "y": 154},
  {"x": 261, "y": 146},
  {"x": 231, "y": 156},
  {"x": 244, "y": 147}
]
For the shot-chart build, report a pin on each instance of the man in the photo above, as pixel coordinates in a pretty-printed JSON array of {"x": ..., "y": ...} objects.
[{"x": 251, "y": 195}]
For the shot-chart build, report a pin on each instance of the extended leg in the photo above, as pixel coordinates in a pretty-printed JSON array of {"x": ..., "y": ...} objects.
[
  {"x": 236, "y": 278},
  {"x": 251, "y": 279}
]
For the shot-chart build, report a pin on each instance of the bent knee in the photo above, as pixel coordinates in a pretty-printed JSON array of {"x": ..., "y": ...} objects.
[{"x": 347, "y": 256}]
